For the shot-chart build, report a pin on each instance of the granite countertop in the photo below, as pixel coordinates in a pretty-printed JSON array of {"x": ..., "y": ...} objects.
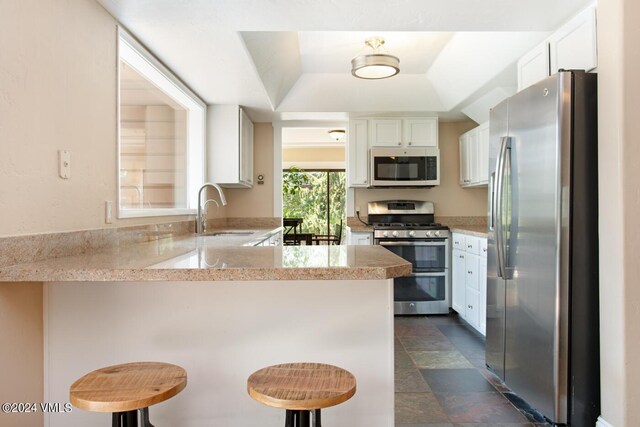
[
  {"x": 361, "y": 228},
  {"x": 473, "y": 230},
  {"x": 208, "y": 258}
]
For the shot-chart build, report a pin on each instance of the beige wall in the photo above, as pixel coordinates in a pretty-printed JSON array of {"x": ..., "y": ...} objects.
[
  {"x": 21, "y": 350},
  {"x": 57, "y": 91},
  {"x": 256, "y": 201},
  {"x": 313, "y": 154},
  {"x": 449, "y": 198},
  {"x": 619, "y": 178}
]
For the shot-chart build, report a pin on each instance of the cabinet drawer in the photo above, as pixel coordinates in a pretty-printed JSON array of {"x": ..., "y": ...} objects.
[
  {"x": 472, "y": 245},
  {"x": 471, "y": 311},
  {"x": 483, "y": 248},
  {"x": 471, "y": 271},
  {"x": 458, "y": 241}
]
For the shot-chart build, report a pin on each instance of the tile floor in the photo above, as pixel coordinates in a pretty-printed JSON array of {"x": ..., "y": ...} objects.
[{"x": 442, "y": 381}]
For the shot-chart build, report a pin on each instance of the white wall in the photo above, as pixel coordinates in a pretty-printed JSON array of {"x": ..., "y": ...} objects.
[
  {"x": 619, "y": 192},
  {"x": 57, "y": 91},
  {"x": 221, "y": 332}
]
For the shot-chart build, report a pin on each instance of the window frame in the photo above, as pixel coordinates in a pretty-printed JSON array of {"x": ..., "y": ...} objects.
[{"x": 144, "y": 62}]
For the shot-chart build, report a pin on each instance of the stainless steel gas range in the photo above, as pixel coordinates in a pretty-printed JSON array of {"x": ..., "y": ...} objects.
[{"x": 407, "y": 228}]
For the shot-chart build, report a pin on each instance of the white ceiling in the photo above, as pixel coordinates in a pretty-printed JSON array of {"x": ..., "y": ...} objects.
[
  {"x": 290, "y": 59},
  {"x": 311, "y": 137}
]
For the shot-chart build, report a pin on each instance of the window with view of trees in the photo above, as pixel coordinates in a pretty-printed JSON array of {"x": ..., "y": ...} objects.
[{"x": 317, "y": 196}]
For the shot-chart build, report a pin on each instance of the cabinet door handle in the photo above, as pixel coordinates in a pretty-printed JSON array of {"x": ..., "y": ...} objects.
[
  {"x": 409, "y": 143},
  {"x": 461, "y": 256},
  {"x": 469, "y": 246},
  {"x": 469, "y": 272}
]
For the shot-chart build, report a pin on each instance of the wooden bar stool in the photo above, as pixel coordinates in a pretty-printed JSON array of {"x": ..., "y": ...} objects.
[
  {"x": 303, "y": 389},
  {"x": 126, "y": 389}
]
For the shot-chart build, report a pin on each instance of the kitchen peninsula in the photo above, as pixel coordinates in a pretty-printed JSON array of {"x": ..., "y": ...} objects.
[{"x": 221, "y": 312}]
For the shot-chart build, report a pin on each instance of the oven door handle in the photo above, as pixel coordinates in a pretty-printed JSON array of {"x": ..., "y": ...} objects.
[
  {"x": 433, "y": 274},
  {"x": 413, "y": 243}
]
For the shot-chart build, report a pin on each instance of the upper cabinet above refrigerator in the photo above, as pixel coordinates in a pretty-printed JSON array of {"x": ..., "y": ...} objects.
[{"x": 572, "y": 47}]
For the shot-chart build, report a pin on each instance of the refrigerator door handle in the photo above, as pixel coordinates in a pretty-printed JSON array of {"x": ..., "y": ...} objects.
[
  {"x": 505, "y": 145},
  {"x": 492, "y": 200}
]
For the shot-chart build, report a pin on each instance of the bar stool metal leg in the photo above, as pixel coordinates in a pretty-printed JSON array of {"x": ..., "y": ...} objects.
[
  {"x": 125, "y": 419},
  {"x": 288, "y": 418},
  {"x": 131, "y": 419},
  {"x": 144, "y": 418},
  {"x": 304, "y": 418},
  {"x": 317, "y": 422}
]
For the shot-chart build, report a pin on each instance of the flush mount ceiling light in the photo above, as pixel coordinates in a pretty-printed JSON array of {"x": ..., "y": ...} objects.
[
  {"x": 377, "y": 64},
  {"x": 337, "y": 134}
]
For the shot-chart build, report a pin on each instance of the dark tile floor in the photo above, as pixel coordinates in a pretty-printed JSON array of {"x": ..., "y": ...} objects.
[{"x": 442, "y": 381}]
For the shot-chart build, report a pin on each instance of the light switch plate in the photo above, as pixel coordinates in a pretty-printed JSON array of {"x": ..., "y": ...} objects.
[
  {"x": 64, "y": 164},
  {"x": 108, "y": 212}
]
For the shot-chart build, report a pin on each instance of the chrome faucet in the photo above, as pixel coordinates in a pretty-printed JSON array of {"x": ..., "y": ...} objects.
[{"x": 199, "y": 219}]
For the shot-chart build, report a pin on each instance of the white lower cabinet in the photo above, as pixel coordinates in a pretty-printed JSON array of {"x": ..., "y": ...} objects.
[
  {"x": 458, "y": 278},
  {"x": 360, "y": 237},
  {"x": 469, "y": 279}
]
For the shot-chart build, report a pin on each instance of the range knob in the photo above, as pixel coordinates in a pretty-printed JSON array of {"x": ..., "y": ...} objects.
[
  {"x": 395, "y": 234},
  {"x": 429, "y": 233},
  {"x": 412, "y": 233},
  {"x": 385, "y": 234},
  {"x": 437, "y": 233}
]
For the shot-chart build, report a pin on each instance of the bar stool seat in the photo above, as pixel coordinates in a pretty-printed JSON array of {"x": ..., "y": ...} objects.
[
  {"x": 125, "y": 389},
  {"x": 303, "y": 389}
]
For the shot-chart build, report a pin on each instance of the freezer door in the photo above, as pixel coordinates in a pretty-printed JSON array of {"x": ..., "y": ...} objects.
[
  {"x": 495, "y": 326},
  {"x": 535, "y": 356}
]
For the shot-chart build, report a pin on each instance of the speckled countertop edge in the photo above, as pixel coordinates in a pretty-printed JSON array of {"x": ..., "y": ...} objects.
[
  {"x": 472, "y": 230},
  {"x": 181, "y": 259}
]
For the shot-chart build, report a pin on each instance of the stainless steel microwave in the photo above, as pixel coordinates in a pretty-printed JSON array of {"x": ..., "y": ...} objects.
[{"x": 405, "y": 167}]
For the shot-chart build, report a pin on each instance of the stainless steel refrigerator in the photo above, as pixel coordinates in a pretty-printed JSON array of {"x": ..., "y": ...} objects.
[{"x": 542, "y": 272}]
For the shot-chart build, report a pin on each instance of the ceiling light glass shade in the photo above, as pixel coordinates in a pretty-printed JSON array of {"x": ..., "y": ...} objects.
[
  {"x": 377, "y": 64},
  {"x": 337, "y": 134}
]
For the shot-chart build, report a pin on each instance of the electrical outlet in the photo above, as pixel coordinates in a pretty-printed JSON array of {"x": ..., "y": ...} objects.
[{"x": 357, "y": 209}]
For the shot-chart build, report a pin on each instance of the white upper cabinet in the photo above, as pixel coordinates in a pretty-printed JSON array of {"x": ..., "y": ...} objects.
[
  {"x": 229, "y": 146},
  {"x": 572, "y": 47},
  {"x": 421, "y": 132},
  {"x": 413, "y": 132},
  {"x": 534, "y": 66},
  {"x": 483, "y": 154},
  {"x": 246, "y": 149},
  {"x": 386, "y": 132},
  {"x": 358, "y": 154},
  {"x": 474, "y": 156},
  {"x": 465, "y": 171},
  {"x": 371, "y": 132}
]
